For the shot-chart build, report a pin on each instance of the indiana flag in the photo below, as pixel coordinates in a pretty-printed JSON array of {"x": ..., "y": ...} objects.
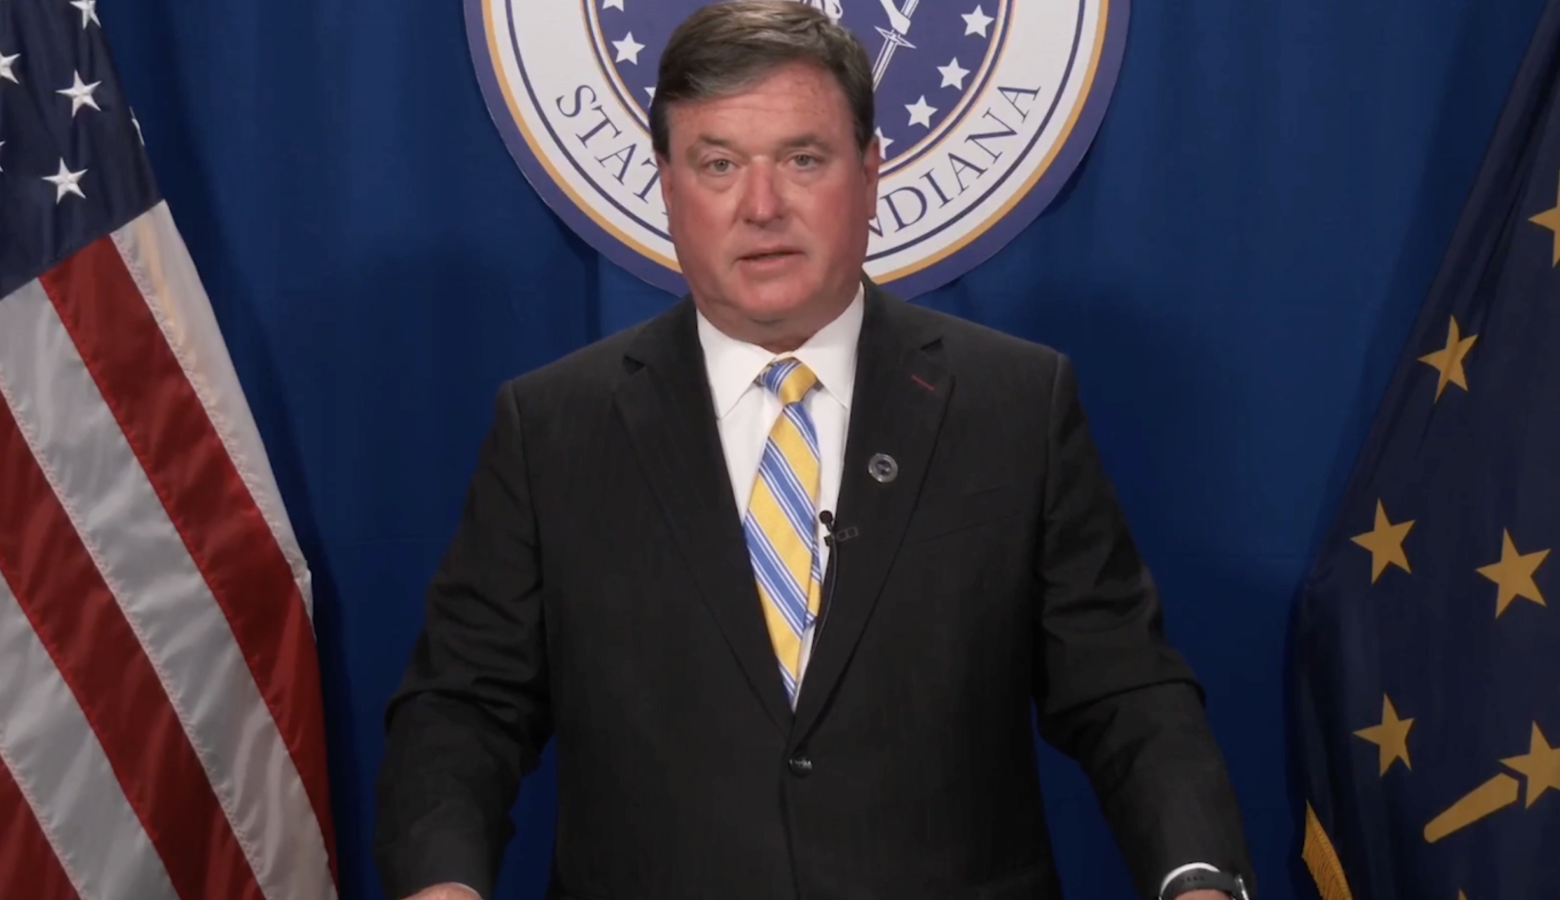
[
  {"x": 1428, "y": 636},
  {"x": 161, "y": 729}
]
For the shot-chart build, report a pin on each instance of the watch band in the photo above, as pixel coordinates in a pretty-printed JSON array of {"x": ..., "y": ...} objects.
[{"x": 1201, "y": 879}]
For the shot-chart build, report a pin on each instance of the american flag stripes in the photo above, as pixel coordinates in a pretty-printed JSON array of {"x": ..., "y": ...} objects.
[{"x": 161, "y": 726}]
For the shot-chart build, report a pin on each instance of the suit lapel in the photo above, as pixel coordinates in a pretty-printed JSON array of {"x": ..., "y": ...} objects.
[
  {"x": 896, "y": 410},
  {"x": 670, "y": 417}
]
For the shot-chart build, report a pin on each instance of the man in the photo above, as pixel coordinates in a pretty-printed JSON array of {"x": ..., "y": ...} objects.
[{"x": 786, "y": 571}]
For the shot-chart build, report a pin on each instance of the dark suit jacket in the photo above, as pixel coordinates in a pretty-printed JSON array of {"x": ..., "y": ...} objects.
[{"x": 598, "y": 593}]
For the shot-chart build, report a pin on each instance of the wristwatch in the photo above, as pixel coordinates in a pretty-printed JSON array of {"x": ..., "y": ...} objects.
[{"x": 1205, "y": 879}]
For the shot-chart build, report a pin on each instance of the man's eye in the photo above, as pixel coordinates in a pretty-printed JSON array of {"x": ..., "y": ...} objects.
[
  {"x": 805, "y": 160},
  {"x": 718, "y": 166}
]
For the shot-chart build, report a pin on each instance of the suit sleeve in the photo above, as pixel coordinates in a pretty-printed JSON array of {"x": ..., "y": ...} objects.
[
  {"x": 1111, "y": 692},
  {"x": 471, "y": 715}
]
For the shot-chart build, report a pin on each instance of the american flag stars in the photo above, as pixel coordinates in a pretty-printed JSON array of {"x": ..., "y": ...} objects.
[
  {"x": 66, "y": 182},
  {"x": 80, "y": 93},
  {"x": 88, "y": 12}
]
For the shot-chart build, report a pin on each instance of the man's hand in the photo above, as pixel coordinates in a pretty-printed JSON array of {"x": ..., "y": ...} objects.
[{"x": 461, "y": 892}]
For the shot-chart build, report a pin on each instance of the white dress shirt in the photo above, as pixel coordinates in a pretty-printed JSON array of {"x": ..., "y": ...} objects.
[{"x": 745, "y": 411}]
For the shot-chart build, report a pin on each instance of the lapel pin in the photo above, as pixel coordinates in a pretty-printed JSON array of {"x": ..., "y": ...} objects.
[{"x": 882, "y": 468}]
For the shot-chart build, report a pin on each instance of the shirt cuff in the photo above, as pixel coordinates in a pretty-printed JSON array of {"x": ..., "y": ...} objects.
[{"x": 1177, "y": 871}]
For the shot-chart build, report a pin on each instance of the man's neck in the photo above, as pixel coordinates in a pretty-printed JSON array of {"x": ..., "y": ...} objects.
[{"x": 777, "y": 336}]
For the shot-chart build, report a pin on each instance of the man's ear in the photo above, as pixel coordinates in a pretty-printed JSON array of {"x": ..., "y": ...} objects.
[
  {"x": 664, "y": 167},
  {"x": 871, "y": 162}
]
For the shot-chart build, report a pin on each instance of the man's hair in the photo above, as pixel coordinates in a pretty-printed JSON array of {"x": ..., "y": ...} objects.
[{"x": 727, "y": 46}]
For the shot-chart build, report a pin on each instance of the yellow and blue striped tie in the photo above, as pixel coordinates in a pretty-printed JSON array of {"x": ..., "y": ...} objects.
[{"x": 781, "y": 536}]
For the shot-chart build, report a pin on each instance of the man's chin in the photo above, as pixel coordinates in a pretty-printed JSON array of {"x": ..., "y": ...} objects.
[{"x": 774, "y": 308}]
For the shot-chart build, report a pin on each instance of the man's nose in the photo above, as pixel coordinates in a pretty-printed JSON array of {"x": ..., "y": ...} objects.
[{"x": 762, "y": 201}]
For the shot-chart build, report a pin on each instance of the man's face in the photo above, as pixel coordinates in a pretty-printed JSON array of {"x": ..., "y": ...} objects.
[{"x": 769, "y": 200}]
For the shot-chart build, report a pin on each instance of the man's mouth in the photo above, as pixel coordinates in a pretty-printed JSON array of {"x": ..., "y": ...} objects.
[{"x": 765, "y": 255}]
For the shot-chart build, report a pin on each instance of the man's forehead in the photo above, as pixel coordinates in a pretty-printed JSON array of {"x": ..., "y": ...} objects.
[
  {"x": 715, "y": 138},
  {"x": 749, "y": 117},
  {"x": 786, "y": 84},
  {"x": 781, "y": 97}
]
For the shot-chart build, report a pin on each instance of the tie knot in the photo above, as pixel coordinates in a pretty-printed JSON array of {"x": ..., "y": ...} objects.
[{"x": 789, "y": 379}]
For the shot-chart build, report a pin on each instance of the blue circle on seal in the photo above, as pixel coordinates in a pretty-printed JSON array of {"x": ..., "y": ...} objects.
[{"x": 984, "y": 109}]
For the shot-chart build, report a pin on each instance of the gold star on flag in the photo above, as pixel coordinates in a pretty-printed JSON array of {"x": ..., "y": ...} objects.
[
  {"x": 1391, "y": 736},
  {"x": 1385, "y": 543},
  {"x": 1514, "y": 574},
  {"x": 1449, "y": 359},
  {"x": 1551, "y": 219},
  {"x": 1541, "y": 765}
]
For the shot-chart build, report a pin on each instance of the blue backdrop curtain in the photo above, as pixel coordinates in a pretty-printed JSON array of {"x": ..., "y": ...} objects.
[{"x": 1234, "y": 269}]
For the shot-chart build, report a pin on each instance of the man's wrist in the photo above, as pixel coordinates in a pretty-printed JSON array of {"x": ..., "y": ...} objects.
[
  {"x": 449, "y": 890},
  {"x": 1199, "y": 876}
]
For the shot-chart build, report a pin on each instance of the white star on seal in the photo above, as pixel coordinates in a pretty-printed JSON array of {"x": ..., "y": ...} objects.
[
  {"x": 6, "y": 62},
  {"x": 953, "y": 74},
  {"x": 976, "y": 23},
  {"x": 88, "y": 12},
  {"x": 80, "y": 95},
  {"x": 628, "y": 49},
  {"x": 920, "y": 113},
  {"x": 66, "y": 183},
  {"x": 651, "y": 92},
  {"x": 612, "y": 4},
  {"x": 883, "y": 143}
]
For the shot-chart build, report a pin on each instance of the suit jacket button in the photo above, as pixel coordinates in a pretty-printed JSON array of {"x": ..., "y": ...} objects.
[{"x": 801, "y": 765}]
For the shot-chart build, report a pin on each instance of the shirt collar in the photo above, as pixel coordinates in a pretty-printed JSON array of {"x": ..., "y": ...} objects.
[{"x": 733, "y": 366}]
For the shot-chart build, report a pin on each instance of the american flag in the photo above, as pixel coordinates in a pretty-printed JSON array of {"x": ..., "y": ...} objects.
[{"x": 161, "y": 726}]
